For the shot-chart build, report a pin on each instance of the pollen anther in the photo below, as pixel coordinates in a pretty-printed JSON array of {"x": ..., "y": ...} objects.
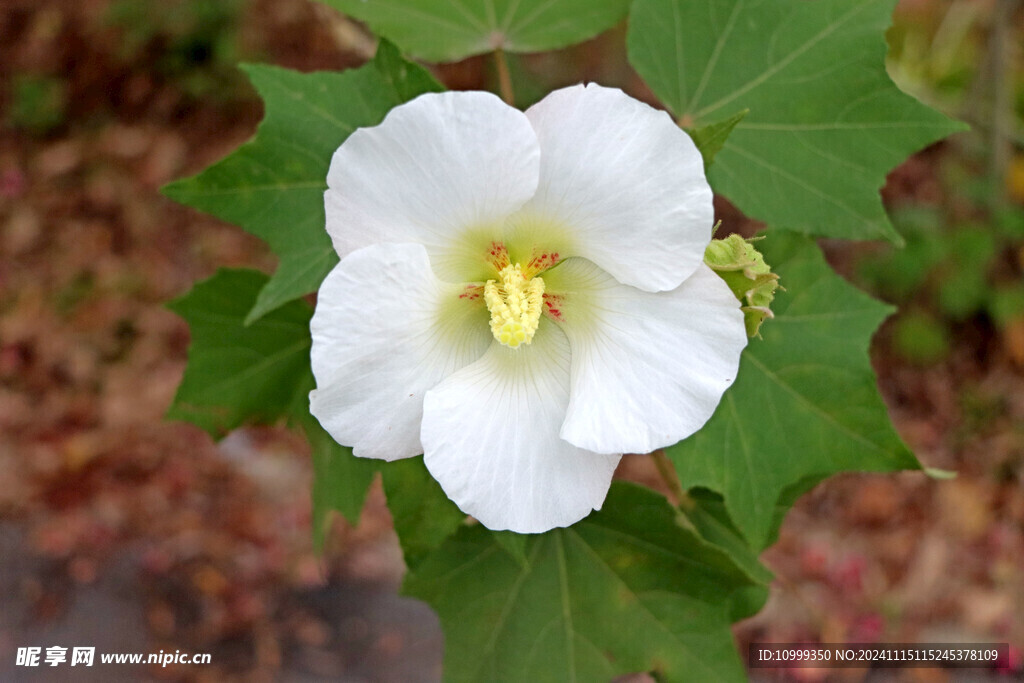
[{"x": 515, "y": 304}]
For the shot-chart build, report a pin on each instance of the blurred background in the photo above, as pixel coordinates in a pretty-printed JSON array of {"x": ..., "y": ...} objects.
[{"x": 124, "y": 532}]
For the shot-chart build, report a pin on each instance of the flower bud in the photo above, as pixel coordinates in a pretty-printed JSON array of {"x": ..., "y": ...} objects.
[{"x": 736, "y": 261}]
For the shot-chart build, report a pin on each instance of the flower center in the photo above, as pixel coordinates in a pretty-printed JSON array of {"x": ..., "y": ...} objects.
[{"x": 515, "y": 304}]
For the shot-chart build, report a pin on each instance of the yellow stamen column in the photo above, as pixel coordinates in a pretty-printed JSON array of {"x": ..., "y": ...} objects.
[{"x": 515, "y": 305}]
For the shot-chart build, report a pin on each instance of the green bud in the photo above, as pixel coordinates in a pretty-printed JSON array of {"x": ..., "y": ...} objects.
[{"x": 751, "y": 279}]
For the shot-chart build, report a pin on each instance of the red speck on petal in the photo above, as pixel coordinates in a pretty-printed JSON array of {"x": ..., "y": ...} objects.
[
  {"x": 540, "y": 262},
  {"x": 497, "y": 256},
  {"x": 553, "y": 303}
]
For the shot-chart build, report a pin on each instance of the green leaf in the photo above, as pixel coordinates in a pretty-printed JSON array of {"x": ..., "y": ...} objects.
[
  {"x": 340, "y": 479},
  {"x": 273, "y": 186},
  {"x": 627, "y": 589},
  {"x": 710, "y": 518},
  {"x": 826, "y": 123},
  {"x": 423, "y": 515},
  {"x": 805, "y": 403},
  {"x": 710, "y": 139},
  {"x": 514, "y": 544},
  {"x": 236, "y": 373},
  {"x": 448, "y": 30},
  {"x": 786, "y": 500},
  {"x": 240, "y": 373}
]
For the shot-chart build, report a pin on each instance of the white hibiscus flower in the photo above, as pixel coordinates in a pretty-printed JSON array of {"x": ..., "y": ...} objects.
[{"x": 521, "y": 297}]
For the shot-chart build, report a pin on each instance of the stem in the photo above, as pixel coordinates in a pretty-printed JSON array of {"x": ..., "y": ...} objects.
[
  {"x": 668, "y": 475},
  {"x": 1002, "y": 101},
  {"x": 504, "y": 77}
]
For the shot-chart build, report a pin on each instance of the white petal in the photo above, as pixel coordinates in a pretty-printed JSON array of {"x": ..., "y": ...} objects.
[
  {"x": 648, "y": 369},
  {"x": 386, "y": 330},
  {"x": 624, "y": 181},
  {"x": 443, "y": 170},
  {"x": 490, "y": 434}
]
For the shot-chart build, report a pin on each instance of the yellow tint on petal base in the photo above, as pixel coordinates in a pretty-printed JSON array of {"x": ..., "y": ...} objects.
[{"x": 515, "y": 304}]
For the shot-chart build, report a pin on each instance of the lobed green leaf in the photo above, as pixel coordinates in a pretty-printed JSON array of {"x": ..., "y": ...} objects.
[
  {"x": 627, "y": 589},
  {"x": 273, "y": 185},
  {"x": 240, "y": 373},
  {"x": 448, "y": 30},
  {"x": 805, "y": 404},
  {"x": 826, "y": 123},
  {"x": 236, "y": 373}
]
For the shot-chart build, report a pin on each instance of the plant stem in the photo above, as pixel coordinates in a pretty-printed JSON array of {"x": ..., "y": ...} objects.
[
  {"x": 504, "y": 77},
  {"x": 1002, "y": 101},
  {"x": 668, "y": 475}
]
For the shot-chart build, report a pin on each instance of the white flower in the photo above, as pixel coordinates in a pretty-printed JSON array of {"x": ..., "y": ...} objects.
[{"x": 521, "y": 297}]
